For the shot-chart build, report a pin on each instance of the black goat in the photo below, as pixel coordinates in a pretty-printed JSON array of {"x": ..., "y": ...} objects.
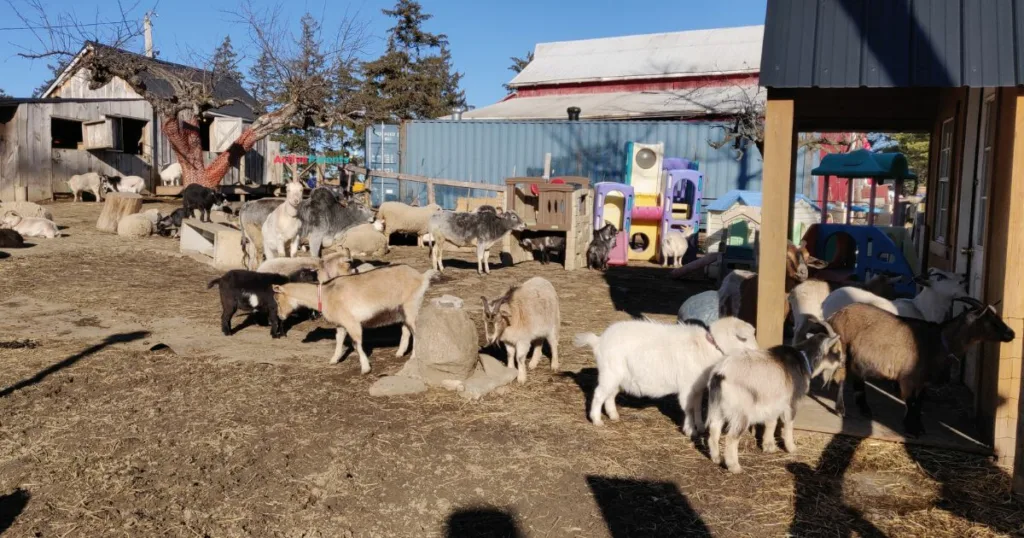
[
  {"x": 11, "y": 239},
  {"x": 196, "y": 196},
  {"x": 252, "y": 291},
  {"x": 601, "y": 246}
]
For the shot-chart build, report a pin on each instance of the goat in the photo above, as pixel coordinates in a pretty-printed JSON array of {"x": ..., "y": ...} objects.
[
  {"x": 283, "y": 225},
  {"x": 326, "y": 268},
  {"x": 171, "y": 175},
  {"x": 172, "y": 222},
  {"x": 545, "y": 245},
  {"x": 91, "y": 182},
  {"x": 29, "y": 226},
  {"x": 738, "y": 293},
  {"x": 938, "y": 290},
  {"x": 806, "y": 299},
  {"x": 480, "y": 228},
  {"x": 601, "y": 246},
  {"x": 251, "y": 217},
  {"x": 384, "y": 296},
  {"x": 912, "y": 352},
  {"x": 761, "y": 386},
  {"x": 11, "y": 239},
  {"x": 196, "y": 197},
  {"x": 525, "y": 314},
  {"x": 134, "y": 184},
  {"x": 324, "y": 218},
  {"x": 674, "y": 245},
  {"x": 404, "y": 218},
  {"x": 650, "y": 359},
  {"x": 248, "y": 290}
]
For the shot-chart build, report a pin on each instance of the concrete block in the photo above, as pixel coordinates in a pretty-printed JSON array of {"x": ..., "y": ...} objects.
[{"x": 220, "y": 243}]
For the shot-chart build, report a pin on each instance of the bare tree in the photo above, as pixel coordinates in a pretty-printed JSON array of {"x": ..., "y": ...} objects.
[{"x": 301, "y": 98}]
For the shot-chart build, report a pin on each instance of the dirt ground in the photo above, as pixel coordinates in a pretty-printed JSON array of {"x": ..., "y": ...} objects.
[{"x": 125, "y": 412}]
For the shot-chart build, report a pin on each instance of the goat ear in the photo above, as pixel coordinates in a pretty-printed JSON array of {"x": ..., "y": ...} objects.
[
  {"x": 486, "y": 304},
  {"x": 815, "y": 263},
  {"x": 277, "y": 288}
]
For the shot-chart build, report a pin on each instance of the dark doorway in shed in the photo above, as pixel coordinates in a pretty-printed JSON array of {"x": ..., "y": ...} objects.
[
  {"x": 65, "y": 134},
  {"x": 130, "y": 135}
]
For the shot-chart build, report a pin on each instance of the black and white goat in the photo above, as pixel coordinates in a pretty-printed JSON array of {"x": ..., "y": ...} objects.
[{"x": 252, "y": 291}]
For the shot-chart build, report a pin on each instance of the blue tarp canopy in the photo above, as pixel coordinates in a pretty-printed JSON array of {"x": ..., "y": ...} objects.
[
  {"x": 865, "y": 164},
  {"x": 751, "y": 198}
]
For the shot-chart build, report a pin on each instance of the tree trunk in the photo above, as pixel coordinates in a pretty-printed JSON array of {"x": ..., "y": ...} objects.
[
  {"x": 116, "y": 206},
  {"x": 263, "y": 127},
  {"x": 183, "y": 134}
]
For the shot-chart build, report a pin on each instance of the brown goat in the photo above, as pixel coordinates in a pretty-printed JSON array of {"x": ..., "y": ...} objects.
[{"x": 912, "y": 352}]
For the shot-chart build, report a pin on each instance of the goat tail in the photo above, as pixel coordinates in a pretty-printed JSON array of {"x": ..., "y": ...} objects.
[
  {"x": 214, "y": 282},
  {"x": 587, "y": 339}
]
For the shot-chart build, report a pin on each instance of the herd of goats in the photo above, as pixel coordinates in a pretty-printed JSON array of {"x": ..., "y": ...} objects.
[{"x": 841, "y": 330}]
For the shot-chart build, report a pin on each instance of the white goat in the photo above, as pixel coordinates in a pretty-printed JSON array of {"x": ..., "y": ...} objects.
[
  {"x": 932, "y": 304},
  {"x": 89, "y": 182},
  {"x": 30, "y": 226},
  {"x": 171, "y": 175},
  {"x": 133, "y": 184},
  {"x": 807, "y": 298},
  {"x": 760, "y": 387},
  {"x": 650, "y": 359},
  {"x": 283, "y": 225},
  {"x": 674, "y": 245},
  {"x": 526, "y": 314}
]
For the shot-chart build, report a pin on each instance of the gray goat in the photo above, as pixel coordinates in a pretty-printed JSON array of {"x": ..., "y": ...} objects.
[
  {"x": 324, "y": 218},
  {"x": 480, "y": 228}
]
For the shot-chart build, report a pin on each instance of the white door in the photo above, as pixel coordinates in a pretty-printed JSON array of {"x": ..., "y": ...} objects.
[{"x": 974, "y": 251}]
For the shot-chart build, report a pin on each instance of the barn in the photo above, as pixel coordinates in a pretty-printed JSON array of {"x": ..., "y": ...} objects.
[{"x": 73, "y": 129}]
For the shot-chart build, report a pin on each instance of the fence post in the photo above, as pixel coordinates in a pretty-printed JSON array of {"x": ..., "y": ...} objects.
[{"x": 431, "y": 197}]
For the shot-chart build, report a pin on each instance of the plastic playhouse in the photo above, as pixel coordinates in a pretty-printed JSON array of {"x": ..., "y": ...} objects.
[
  {"x": 658, "y": 194},
  {"x": 861, "y": 250},
  {"x": 560, "y": 205}
]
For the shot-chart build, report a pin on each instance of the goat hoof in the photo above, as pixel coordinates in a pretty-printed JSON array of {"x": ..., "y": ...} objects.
[
  {"x": 735, "y": 469},
  {"x": 597, "y": 421},
  {"x": 770, "y": 447}
]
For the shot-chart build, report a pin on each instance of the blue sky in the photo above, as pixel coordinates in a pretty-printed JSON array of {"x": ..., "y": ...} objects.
[{"x": 483, "y": 34}]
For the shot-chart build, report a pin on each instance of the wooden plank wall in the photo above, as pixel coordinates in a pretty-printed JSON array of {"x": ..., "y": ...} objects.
[
  {"x": 8, "y": 159},
  {"x": 77, "y": 87}
]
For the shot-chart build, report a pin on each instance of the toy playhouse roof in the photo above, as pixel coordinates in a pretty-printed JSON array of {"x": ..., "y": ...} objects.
[
  {"x": 751, "y": 198},
  {"x": 863, "y": 163}
]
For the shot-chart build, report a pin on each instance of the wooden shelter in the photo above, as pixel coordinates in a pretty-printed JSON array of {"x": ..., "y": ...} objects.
[{"x": 951, "y": 68}]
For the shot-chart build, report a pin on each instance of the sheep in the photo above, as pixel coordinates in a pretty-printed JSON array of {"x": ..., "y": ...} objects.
[
  {"x": 674, "y": 245},
  {"x": 171, "y": 175},
  {"x": 738, "y": 292},
  {"x": 601, "y": 246},
  {"x": 248, "y": 290},
  {"x": 91, "y": 182},
  {"x": 938, "y": 290},
  {"x": 545, "y": 245},
  {"x": 404, "y": 218},
  {"x": 283, "y": 225},
  {"x": 27, "y": 209},
  {"x": 11, "y": 239},
  {"x": 650, "y": 359},
  {"x": 133, "y": 184},
  {"x": 377, "y": 298},
  {"x": 912, "y": 352},
  {"x": 251, "y": 217},
  {"x": 29, "y": 226},
  {"x": 153, "y": 215},
  {"x": 761, "y": 386},
  {"x": 325, "y": 218},
  {"x": 480, "y": 228},
  {"x": 806, "y": 298},
  {"x": 526, "y": 314},
  {"x": 365, "y": 240}
]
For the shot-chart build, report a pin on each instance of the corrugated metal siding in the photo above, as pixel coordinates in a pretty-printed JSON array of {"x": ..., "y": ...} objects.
[
  {"x": 490, "y": 151},
  {"x": 893, "y": 43}
]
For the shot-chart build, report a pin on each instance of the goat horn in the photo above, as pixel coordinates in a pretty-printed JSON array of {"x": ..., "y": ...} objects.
[{"x": 971, "y": 301}]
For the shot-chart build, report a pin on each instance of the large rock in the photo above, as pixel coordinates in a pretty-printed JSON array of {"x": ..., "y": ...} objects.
[{"x": 26, "y": 209}]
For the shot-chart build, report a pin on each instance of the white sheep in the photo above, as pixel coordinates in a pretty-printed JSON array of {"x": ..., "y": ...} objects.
[
  {"x": 27, "y": 209},
  {"x": 171, "y": 175},
  {"x": 154, "y": 215},
  {"x": 283, "y": 225},
  {"x": 760, "y": 387},
  {"x": 650, "y": 359},
  {"x": 364, "y": 240},
  {"x": 674, "y": 245},
  {"x": 404, "y": 218},
  {"x": 29, "y": 226},
  {"x": 932, "y": 304},
  {"x": 526, "y": 314},
  {"x": 136, "y": 225},
  {"x": 89, "y": 182}
]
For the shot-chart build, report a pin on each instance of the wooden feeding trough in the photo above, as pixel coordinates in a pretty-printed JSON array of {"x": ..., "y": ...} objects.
[{"x": 560, "y": 206}]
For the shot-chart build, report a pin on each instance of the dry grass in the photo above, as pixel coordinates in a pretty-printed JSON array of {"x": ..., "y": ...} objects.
[{"x": 106, "y": 440}]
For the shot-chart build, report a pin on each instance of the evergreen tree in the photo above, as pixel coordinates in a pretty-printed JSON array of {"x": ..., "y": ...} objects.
[
  {"x": 3, "y": 94},
  {"x": 263, "y": 79},
  {"x": 518, "y": 64},
  {"x": 225, "y": 61},
  {"x": 310, "y": 67}
]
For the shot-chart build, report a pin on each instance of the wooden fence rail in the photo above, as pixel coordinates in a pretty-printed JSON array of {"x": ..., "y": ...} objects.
[{"x": 431, "y": 182}]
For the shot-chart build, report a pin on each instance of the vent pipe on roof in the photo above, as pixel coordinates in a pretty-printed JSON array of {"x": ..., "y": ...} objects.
[
  {"x": 148, "y": 30},
  {"x": 574, "y": 113}
]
